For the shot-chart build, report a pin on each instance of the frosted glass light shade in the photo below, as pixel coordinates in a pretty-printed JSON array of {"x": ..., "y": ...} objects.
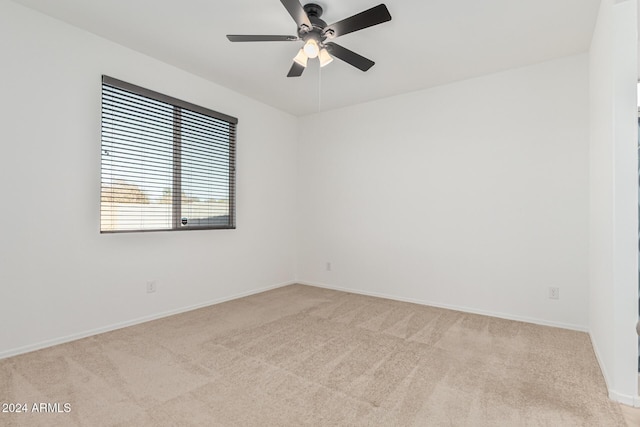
[
  {"x": 301, "y": 58},
  {"x": 324, "y": 57},
  {"x": 311, "y": 48}
]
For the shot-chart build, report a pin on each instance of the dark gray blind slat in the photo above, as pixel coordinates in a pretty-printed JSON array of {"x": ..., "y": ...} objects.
[{"x": 110, "y": 81}]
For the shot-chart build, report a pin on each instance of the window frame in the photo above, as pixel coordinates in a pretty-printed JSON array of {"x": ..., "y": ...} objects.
[{"x": 179, "y": 105}]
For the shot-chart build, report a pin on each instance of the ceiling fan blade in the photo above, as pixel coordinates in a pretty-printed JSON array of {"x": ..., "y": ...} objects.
[
  {"x": 297, "y": 12},
  {"x": 252, "y": 38},
  {"x": 296, "y": 70},
  {"x": 349, "y": 56},
  {"x": 374, "y": 16}
]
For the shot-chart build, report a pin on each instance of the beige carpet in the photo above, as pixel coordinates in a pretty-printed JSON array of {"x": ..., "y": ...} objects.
[
  {"x": 300, "y": 355},
  {"x": 631, "y": 415}
]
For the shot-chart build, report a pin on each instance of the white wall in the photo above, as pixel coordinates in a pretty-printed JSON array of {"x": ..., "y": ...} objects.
[
  {"x": 613, "y": 225},
  {"x": 59, "y": 278},
  {"x": 472, "y": 195}
]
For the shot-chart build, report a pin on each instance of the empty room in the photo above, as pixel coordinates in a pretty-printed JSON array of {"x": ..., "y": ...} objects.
[{"x": 279, "y": 213}]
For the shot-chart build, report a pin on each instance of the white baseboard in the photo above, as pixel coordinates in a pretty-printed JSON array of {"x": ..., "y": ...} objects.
[
  {"x": 625, "y": 399},
  {"x": 603, "y": 368},
  {"x": 120, "y": 325},
  {"x": 506, "y": 316}
]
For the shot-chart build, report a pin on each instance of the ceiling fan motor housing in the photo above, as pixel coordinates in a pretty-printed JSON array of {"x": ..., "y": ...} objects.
[{"x": 314, "y": 11}]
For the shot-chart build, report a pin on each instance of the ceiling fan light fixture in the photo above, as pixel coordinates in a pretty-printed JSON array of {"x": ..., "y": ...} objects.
[
  {"x": 324, "y": 57},
  {"x": 311, "y": 48},
  {"x": 301, "y": 58},
  {"x": 312, "y": 31}
]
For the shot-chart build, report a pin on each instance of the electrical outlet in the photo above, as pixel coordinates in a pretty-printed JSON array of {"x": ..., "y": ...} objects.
[
  {"x": 151, "y": 286},
  {"x": 328, "y": 266},
  {"x": 554, "y": 293}
]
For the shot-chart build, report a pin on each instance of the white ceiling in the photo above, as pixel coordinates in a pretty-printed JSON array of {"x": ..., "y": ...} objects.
[{"x": 427, "y": 43}]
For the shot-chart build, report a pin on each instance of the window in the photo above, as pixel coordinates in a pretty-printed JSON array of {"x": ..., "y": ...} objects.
[{"x": 166, "y": 164}]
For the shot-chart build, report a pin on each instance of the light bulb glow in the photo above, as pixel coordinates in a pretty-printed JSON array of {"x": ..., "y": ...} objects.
[
  {"x": 324, "y": 57},
  {"x": 301, "y": 58},
  {"x": 311, "y": 48}
]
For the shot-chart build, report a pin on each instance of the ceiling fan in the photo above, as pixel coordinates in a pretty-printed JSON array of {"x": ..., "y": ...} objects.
[{"x": 314, "y": 32}]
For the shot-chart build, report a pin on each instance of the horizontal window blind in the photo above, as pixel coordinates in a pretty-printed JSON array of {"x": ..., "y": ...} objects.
[{"x": 166, "y": 164}]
